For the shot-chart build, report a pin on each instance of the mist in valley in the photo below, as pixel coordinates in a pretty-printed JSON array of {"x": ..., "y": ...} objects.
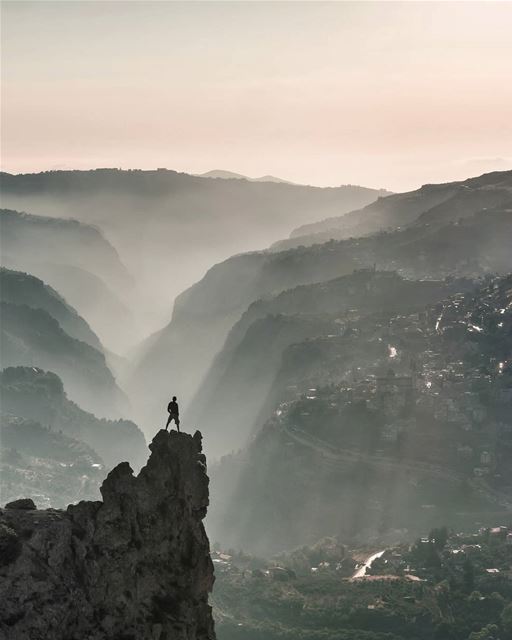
[
  {"x": 257, "y": 335},
  {"x": 343, "y": 347},
  {"x": 171, "y": 224}
]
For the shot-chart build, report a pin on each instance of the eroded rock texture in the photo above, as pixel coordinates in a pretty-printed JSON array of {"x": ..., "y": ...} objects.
[{"x": 133, "y": 567}]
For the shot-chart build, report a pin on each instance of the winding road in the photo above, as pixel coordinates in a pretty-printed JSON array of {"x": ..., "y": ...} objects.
[
  {"x": 361, "y": 572},
  {"x": 336, "y": 457}
]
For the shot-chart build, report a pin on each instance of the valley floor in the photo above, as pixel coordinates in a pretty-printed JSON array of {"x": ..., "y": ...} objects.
[{"x": 443, "y": 587}]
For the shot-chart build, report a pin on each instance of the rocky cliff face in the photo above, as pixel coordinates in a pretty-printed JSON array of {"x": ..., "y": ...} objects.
[{"x": 133, "y": 567}]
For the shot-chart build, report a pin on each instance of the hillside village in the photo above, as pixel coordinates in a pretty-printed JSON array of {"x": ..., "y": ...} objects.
[
  {"x": 411, "y": 411},
  {"x": 437, "y": 366},
  {"x": 445, "y": 585},
  {"x": 273, "y": 403}
]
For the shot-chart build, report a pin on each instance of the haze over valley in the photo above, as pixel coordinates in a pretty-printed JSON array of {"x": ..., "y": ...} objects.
[
  {"x": 351, "y": 380},
  {"x": 256, "y": 321},
  {"x": 232, "y": 334},
  {"x": 164, "y": 222}
]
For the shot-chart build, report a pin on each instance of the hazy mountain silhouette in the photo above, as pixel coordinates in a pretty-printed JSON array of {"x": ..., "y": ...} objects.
[
  {"x": 173, "y": 224},
  {"x": 179, "y": 355},
  {"x": 244, "y": 374},
  {"x": 77, "y": 261},
  {"x": 32, "y": 238},
  {"x": 24, "y": 289},
  {"x": 230, "y": 175},
  {"x": 37, "y": 395},
  {"x": 434, "y": 204},
  {"x": 32, "y": 337},
  {"x": 96, "y": 300}
]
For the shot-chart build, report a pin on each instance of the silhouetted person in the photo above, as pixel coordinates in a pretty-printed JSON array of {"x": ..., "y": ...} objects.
[{"x": 174, "y": 413}]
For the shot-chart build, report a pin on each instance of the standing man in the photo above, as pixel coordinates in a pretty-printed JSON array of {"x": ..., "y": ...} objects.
[{"x": 174, "y": 413}]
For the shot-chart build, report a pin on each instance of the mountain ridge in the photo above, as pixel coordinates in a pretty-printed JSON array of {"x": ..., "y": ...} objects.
[
  {"x": 32, "y": 337},
  {"x": 31, "y": 393},
  {"x": 19, "y": 287},
  {"x": 78, "y": 261},
  {"x": 204, "y": 314},
  {"x": 189, "y": 222},
  {"x": 459, "y": 199}
]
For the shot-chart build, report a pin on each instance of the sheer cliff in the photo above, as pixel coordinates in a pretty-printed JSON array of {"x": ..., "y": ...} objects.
[{"x": 135, "y": 565}]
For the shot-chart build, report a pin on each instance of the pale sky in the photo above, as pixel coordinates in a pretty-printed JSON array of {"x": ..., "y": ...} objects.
[{"x": 382, "y": 94}]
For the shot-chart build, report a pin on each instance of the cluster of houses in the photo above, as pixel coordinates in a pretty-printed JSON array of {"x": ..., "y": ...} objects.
[
  {"x": 278, "y": 570},
  {"x": 418, "y": 374}
]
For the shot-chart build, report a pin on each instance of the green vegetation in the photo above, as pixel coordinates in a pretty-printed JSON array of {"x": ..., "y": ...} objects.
[{"x": 420, "y": 592}]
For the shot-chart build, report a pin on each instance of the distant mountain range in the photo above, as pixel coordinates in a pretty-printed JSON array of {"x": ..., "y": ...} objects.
[
  {"x": 32, "y": 337},
  {"x": 34, "y": 394},
  {"x": 24, "y": 289},
  {"x": 433, "y": 204},
  {"x": 264, "y": 350},
  {"x": 52, "y": 450},
  {"x": 40, "y": 329},
  {"x": 49, "y": 239},
  {"x": 470, "y": 243},
  {"x": 230, "y": 175},
  {"x": 170, "y": 227},
  {"x": 76, "y": 260},
  {"x": 247, "y": 375}
]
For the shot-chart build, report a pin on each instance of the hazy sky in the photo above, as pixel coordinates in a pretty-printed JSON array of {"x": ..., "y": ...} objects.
[{"x": 382, "y": 94}]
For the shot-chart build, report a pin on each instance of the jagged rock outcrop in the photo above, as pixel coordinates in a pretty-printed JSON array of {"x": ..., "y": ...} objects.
[{"x": 133, "y": 567}]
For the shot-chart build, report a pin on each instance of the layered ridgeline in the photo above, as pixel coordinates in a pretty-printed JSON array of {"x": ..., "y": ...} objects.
[
  {"x": 35, "y": 395},
  {"x": 231, "y": 175},
  {"x": 401, "y": 422},
  {"x": 50, "y": 449},
  {"x": 24, "y": 289},
  {"x": 433, "y": 204},
  {"x": 40, "y": 329},
  {"x": 76, "y": 260},
  {"x": 242, "y": 387},
  {"x": 135, "y": 565},
  {"x": 173, "y": 224},
  {"x": 32, "y": 337},
  {"x": 178, "y": 356}
]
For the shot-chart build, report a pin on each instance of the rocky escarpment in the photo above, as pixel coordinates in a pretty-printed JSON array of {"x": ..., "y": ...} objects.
[{"x": 135, "y": 566}]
